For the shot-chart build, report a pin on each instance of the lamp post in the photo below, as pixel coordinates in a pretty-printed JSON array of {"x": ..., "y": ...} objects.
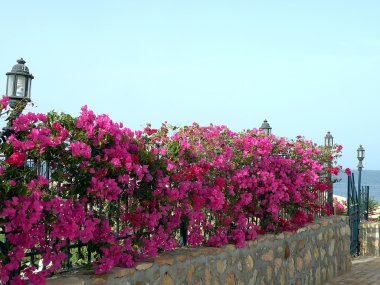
[
  {"x": 329, "y": 142},
  {"x": 19, "y": 84},
  {"x": 266, "y": 127},
  {"x": 360, "y": 155}
]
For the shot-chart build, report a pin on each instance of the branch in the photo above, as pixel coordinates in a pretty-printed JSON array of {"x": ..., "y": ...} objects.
[{"x": 17, "y": 110}]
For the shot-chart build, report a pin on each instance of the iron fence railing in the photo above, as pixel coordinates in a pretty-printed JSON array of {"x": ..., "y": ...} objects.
[
  {"x": 357, "y": 210},
  {"x": 353, "y": 211},
  {"x": 323, "y": 195},
  {"x": 365, "y": 202}
]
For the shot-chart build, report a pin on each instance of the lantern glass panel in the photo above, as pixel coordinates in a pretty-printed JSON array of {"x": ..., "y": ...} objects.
[
  {"x": 29, "y": 88},
  {"x": 20, "y": 86},
  {"x": 11, "y": 84}
]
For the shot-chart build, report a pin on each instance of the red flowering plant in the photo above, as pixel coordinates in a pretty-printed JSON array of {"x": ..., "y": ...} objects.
[{"x": 124, "y": 194}]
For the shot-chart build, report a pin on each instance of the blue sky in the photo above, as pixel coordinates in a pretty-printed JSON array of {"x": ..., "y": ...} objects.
[{"x": 307, "y": 66}]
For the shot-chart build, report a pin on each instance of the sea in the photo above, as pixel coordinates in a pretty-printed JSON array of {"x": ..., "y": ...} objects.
[{"x": 370, "y": 178}]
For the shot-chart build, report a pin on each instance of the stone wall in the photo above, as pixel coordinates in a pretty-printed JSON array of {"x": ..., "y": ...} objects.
[
  {"x": 369, "y": 237},
  {"x": 312, "y": 255}
]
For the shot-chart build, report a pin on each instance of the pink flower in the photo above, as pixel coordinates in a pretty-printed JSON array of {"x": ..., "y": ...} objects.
[
  {"x": 4, "y": 102},
  {"x": 335, "y": 170},
  {"x": 116, "y": 162},
  {"x": 57, "y": 126},
  {"x": 347, "y": 171},
  {"x": 80, "y": 149},
  {"x": 17, "y": 159}
]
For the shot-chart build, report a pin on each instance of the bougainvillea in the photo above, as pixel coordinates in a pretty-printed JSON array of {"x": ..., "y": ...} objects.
[
  {"x": 340, "y": 206},
  {"x": 122, "y": 195}
]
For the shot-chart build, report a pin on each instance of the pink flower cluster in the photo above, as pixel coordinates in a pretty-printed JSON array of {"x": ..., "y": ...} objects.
[
  {"x": 340, "y": 206},
  {"x": 4, "y": 102},
  {"x": 107, "y": 181}
]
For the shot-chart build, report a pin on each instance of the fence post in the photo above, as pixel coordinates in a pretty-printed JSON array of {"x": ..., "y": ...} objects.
[
  {"x": 367, "y": 202},
  {"x": 183, "y": 233}
]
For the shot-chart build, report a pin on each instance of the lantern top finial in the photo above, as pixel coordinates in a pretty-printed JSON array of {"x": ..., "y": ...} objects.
[
  {"x": 21, "y": 61},
  {"x": 265, "y": 125},
  {"x": 20, "y": 68}
]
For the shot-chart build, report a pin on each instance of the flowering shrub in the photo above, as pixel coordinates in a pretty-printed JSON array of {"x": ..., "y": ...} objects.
[
  {"x": 340, "y": 206},
  {"x": 124, "y": 193}
]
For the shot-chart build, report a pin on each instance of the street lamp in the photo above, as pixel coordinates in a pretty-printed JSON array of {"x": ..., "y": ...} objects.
[
  {"x": 361, "y": 155},
  {"x": 329, "y": 142},
  {"x": 266, "y": 127},
  {"x": 19, "y": 83}
]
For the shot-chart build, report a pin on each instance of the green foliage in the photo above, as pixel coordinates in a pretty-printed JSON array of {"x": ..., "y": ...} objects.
[{"x": 372, "y": 204}]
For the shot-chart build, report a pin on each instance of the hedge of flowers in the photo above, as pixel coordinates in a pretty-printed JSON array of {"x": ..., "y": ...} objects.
[{"x": 124, "y": 193}]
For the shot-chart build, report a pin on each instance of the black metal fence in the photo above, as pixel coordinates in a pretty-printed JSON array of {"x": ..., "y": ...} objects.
[
  {"x": 323, "y": 196},
  {"x": 357, "y": 210}
]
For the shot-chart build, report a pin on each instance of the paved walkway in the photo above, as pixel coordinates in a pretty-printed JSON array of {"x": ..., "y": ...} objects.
[{"x": 365, "y": 271}]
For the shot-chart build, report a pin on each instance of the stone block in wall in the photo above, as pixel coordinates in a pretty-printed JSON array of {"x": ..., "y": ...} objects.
[
  {"x": 310, "y": 255},
  {"x": 369, "y": 238}
]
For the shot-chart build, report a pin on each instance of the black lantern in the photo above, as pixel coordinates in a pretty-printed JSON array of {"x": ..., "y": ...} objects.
[
  {"x": 19, "y": 82},
  {"x": 361, "y": 155},
  {"x": 266, "y": 127},
  {"x": 329, "y": 140}
]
